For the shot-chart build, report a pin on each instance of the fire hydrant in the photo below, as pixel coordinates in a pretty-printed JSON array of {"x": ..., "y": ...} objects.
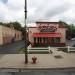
[{"x": 34, "y": 60}]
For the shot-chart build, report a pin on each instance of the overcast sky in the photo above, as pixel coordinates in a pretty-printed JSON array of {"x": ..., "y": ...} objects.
[{"x": 38, "y": 10}]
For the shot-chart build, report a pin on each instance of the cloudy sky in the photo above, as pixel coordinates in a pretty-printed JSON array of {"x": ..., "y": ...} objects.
[{"x": 38, "y": 10}]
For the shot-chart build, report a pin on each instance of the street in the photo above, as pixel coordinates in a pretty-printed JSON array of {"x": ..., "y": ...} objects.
[
  {"x": 41, "y": 72},
  {"x": 11, "y": 48}
]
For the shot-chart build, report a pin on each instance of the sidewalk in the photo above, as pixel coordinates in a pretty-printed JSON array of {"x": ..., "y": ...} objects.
[{"x": 44, "y": 61}]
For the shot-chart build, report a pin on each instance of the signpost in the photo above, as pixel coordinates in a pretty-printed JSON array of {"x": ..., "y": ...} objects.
[{"x": 25, "y": 36}]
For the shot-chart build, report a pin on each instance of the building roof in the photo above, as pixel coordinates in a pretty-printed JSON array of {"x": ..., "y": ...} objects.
[
  {"x": 60, "y": 26},
  {"x": 49, "y": 22}
]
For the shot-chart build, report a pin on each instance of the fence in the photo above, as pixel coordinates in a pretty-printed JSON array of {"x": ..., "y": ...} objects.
[
  {"x": 49, "y": 49},
  {"x": 66, "y": 49},
  {"x": 71, "y": 49},
  {"x": 38, "y": 49}
]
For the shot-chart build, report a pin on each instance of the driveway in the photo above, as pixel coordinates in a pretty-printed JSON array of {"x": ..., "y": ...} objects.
[{"x": 11, "y": 48}]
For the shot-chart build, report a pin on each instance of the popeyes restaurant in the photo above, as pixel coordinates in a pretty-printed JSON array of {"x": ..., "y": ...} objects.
[{"x": 47, "y": 34}]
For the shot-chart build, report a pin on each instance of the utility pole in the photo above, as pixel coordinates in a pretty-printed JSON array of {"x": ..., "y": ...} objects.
[{"x": 25, "y": 36}]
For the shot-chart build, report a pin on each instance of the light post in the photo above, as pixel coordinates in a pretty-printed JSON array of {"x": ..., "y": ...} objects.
[{"x": 25, "y": 36}]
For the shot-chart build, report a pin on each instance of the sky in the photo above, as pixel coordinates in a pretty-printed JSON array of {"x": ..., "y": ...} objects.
[{"x": 38, "y": 10}]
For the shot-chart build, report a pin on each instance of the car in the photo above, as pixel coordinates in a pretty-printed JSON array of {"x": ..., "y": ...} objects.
[{"x": 73, "y": 39}]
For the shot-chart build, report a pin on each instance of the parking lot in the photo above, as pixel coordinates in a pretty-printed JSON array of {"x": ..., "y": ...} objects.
[{"x": 11, "y": 48}]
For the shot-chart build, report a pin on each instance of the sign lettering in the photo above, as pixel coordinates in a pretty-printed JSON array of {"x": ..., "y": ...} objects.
[{"x": 48, "y": 28}]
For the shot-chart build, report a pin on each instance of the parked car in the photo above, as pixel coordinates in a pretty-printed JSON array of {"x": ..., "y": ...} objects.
[{"x": 73, "y": 39}]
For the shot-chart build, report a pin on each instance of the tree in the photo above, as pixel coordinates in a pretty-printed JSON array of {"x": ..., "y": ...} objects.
[
  {"x": 16, "y": 25},
  {"x": 64, "y": 24},
  {"x": 1, "y": 23},
  {"x": 70, "y": 32}
]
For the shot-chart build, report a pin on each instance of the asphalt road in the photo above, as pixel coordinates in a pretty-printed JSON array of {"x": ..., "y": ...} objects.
[
  {"x": 43, "y": 72},
  {"x": 11, "y": 48}
]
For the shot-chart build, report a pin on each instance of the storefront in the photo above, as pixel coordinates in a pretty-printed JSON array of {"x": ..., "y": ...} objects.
[{"x": 47, "y": 34}]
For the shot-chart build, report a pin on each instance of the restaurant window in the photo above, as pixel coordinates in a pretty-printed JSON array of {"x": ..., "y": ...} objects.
[
  {"x": 57, "y": 40},
  {"x": 34, "y": 40},
  {"x": 52, "y": 40},
  {"x": 44, "y": 40},
  {"x": 38, "y": 40}
]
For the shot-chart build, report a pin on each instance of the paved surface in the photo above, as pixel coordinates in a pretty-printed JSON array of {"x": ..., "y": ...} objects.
[
  {"x": 47, "y": 64},
  {"x": 11, "y": 48},
  {"x": 42, "y": 72},
  {"x": 67, "y": 60},
  {"x": 44, "y": 61}
]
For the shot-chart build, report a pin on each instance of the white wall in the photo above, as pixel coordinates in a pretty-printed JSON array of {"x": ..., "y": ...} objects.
[
  {"x": 63, "y": 34},
  {"x": 31, "y": 31},
  {"x": 7, "y": 32}
]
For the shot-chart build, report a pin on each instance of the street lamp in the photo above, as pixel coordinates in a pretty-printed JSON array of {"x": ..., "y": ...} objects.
[{"x": 25, "y": 36}]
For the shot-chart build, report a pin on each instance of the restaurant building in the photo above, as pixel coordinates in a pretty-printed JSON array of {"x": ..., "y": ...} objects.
[{"x": 47, "y": 34}]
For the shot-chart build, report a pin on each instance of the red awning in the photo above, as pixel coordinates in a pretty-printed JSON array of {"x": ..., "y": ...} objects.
[{"x": 47, "y": 35}]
